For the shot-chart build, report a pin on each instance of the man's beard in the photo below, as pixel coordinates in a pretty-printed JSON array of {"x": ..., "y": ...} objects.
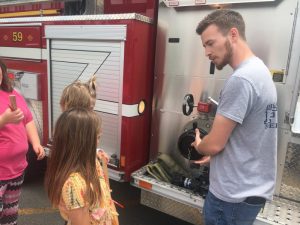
[{"x": 227, "y": 56}]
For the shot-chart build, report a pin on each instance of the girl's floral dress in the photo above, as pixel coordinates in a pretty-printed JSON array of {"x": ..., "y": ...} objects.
[{"x": 73, "y": 192}]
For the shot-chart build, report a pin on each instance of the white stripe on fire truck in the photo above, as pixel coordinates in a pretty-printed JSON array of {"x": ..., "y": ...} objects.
[
  {"x": 130, "y": 110},
  {"x": 113, "y": 108},
  {"x": 24, "y": 53}
]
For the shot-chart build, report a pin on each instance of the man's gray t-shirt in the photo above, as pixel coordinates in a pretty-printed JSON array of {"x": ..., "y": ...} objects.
[{"x": 247, "y": 165}]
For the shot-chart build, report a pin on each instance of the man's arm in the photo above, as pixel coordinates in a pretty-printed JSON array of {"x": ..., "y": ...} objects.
[{"x": 217, "y": 138}]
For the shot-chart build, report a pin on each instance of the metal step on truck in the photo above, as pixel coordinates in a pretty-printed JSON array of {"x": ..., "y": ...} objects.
[{"x": 151, "y": 68}]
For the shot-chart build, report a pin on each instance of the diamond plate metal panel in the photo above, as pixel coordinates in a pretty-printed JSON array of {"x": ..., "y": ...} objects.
[
  {"x": 125, "y": 16},
  {"x": 171, "y": 207},
  {"x": 290, "y": 185},
  {"x": 280, "y": 211}
]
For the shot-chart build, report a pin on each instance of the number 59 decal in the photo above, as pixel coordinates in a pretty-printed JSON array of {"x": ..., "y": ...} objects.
[{"x": 17, "y": 36}]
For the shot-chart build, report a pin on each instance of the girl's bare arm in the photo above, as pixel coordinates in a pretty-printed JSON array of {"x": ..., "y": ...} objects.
[{"x": 79, "y": 216}]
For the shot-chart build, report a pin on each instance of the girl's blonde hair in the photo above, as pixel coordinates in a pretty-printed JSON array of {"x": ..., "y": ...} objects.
[
  {"x": 91, "y": 84},
  {"x": 75, "y": 95},
  {"x": 79, "y": 94},
  {"x": 74, "y": 150}
]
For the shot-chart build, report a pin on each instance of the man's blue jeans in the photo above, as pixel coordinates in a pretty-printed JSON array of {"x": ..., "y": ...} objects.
[{"x": 218, "y": 212}]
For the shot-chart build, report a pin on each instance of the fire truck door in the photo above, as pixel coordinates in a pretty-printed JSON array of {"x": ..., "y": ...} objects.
[{"x": 77, "y": 53}]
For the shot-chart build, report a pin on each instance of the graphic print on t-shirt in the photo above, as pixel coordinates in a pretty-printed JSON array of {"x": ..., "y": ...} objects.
[{"x": 271, "y": 116}]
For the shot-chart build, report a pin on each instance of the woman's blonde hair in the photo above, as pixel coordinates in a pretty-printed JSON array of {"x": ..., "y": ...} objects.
[{"x": 74, "y": 150}]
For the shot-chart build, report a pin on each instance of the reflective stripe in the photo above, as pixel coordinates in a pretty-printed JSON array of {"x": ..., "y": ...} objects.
[{"x": 30, "y": 13}]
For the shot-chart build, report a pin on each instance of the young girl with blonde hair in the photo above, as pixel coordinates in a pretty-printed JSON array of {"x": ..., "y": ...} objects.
[
  {"x": 79, "y": 94},
  {"x": 81, "y": 190},
  {"x": 83, "y": 95},
  {"x": 75, "y": 94}
]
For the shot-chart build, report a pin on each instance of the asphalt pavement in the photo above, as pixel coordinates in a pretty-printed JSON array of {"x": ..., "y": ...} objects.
[{"x": 35, "y": 208}]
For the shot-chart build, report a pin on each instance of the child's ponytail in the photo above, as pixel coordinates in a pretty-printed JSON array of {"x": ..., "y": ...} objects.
[{"x": 91, "y": 84}]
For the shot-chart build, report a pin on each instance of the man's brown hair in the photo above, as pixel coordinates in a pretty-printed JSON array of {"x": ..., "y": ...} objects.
[{"x": 224, "y": 19}]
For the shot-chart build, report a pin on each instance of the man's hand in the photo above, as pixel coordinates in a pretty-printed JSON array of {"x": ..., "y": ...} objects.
[
  {"x": 203, "y": 161},
  {"x": 197, "y": 139}
]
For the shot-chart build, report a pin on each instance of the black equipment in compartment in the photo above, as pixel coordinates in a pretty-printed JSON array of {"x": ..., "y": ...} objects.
[{"x": 186, "y": 139}]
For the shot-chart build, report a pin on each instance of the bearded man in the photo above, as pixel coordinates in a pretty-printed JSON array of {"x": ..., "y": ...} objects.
[{"x": 242, "y": 144}]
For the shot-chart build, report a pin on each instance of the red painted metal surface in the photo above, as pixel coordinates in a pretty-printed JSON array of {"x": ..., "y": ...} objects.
[
  {"x": 19, "y": 36},
  {"x": 32, "y": 7},
  {"x": 137, "y": 86},
  {"x": 144, "y": 7}
]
